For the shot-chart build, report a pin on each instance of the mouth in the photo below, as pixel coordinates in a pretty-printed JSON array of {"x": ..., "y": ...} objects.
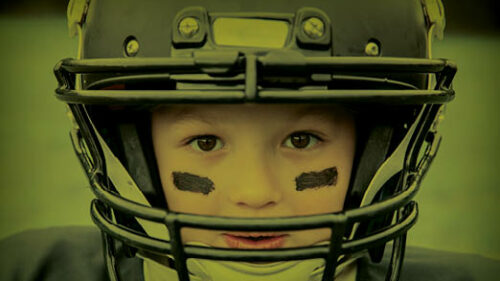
[{"x": 254, "y": 240}]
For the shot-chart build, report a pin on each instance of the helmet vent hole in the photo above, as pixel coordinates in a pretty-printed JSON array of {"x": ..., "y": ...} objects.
[{"x": 130, "y": 46}]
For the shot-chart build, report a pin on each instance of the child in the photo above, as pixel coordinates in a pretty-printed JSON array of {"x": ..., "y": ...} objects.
[{"x": 262, "y": 140}]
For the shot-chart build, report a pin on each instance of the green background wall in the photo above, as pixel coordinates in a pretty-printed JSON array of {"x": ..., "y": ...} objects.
[{"x": 43, "y": 185}]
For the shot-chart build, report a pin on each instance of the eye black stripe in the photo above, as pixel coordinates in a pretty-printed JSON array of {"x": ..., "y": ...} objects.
[
  {"x": 327, "y": 177},
  {"x": 189, "y": 182}
]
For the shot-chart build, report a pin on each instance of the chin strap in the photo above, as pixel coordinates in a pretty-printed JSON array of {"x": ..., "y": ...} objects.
[{"x": 212, "y": 270}]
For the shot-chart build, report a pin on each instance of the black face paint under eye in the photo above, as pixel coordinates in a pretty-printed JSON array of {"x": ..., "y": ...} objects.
[
  {"x": 189, "y": 182},
  {"x": 327, "y": 177}
]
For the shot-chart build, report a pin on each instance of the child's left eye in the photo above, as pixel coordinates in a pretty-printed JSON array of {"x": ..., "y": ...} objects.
[
  {"x": 206, "y": 143},
  {"x": 301, "y": 140}
]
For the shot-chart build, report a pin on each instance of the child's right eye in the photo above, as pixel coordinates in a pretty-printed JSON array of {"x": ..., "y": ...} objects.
[{"x": 206, "y": 143}]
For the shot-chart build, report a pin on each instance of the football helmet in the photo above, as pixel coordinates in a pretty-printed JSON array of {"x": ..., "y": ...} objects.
[{"x": 371, "y": 56}]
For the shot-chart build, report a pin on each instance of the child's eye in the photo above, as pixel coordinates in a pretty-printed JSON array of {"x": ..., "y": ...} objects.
[
  {"x": 206, "y": 143},
  {"x": 301, "y": 140}
]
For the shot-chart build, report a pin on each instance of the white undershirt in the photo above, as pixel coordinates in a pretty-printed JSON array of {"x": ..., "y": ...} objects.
[{"x": 208, "y": 270}]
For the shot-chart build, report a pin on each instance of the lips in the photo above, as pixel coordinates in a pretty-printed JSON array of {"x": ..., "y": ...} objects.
[{"x": 254, "y": 240}]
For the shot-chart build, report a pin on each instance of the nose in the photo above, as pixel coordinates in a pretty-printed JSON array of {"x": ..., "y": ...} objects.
[{"x": 255, "y": 186}]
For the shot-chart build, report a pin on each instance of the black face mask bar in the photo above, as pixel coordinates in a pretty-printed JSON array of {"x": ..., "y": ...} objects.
[{"x": 255, "y": 69}]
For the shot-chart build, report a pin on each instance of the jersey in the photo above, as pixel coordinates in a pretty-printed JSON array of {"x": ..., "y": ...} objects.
[{"x": 75, "y": 253}]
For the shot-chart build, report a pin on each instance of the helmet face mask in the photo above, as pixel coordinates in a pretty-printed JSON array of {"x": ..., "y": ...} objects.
[{"x": 171, "y": 53}]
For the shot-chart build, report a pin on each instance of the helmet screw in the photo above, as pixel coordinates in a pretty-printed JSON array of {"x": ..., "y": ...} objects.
[
  {"x": 132, "y": 47},
  {"x": 314, "y": 27},
  {"x": 372, "y": 49},
  {"x": 188, "y": 27}
]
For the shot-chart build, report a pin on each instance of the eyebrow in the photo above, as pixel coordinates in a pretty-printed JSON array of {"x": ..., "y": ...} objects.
[
  {"x": 186, "y": 115},
  {"x": 189, "y": 114},
  {"x": 315, "y": 114},
  {"x": 190, "y": 117}
]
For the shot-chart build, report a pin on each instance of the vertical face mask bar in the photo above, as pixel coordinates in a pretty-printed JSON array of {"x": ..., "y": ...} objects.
[
  {"x": 251, "y": 78},
  {"x": 180, "y": 258},
  {"x": 109, "y": 257},
  {"x": 398, "y": 251},
  {"x": 337, "y": 234},
  {"x": 397, "y": 254}
]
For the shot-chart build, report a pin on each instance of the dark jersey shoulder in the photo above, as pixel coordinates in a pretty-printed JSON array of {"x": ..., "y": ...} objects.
[
  {"x": 61, "y": 253},
  {"x": 443, "y": 265},
  {"x": 429, "y": 265},
  {"x": 64, "y": 253}
]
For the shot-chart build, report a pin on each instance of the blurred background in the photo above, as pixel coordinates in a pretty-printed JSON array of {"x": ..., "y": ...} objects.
[{"x": 42, "y": 183}]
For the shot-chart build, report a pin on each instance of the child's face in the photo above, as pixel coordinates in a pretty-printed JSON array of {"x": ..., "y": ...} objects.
[{"x": 254, "y": 161}]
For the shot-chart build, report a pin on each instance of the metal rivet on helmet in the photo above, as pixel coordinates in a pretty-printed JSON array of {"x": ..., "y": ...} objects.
[
  {"x": 314, "y": 27},
  {"x": 372, "y": 48},
  {"x": 188, "y": 27},
  {"x": 131, "y": 46}
]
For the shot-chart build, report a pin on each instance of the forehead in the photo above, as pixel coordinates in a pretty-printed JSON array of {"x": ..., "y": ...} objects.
[{"x": 257, "y": 112}]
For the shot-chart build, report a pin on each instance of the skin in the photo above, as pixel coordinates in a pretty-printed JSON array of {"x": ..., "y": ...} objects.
[{"x": 255, "y": 169}]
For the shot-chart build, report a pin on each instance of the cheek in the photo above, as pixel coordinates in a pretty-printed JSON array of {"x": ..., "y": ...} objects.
[
  {"x": 324, "y": 199},
  {"x": 189, "y": 202},
  {"x": 172, "y": 161},
  {"x": 318, "y": 201}
]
